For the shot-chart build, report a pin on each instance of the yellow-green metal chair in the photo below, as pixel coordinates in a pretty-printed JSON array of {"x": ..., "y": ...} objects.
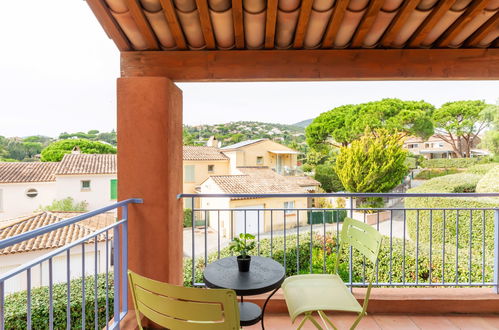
[
  {"x": 306, "y": 294},
  {"x": 177, "y": 307}
]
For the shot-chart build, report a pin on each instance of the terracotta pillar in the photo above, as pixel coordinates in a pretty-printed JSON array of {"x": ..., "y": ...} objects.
[{"x": 150, "y": 167}]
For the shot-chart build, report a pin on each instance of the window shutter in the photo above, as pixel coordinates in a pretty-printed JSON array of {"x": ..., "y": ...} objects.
[{"x": 114, "y": 189}]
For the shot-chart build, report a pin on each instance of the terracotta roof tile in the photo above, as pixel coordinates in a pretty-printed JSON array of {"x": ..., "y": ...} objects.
[
  {"x": 18, "y": 172},
  {"x": 87, "y": 164},
  {"x": 202, "y": 153},
  {"x": 56, "y": 238},
  {"x": 255, "y": 12}
]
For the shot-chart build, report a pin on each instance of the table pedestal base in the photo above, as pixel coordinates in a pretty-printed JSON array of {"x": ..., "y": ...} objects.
[{"x": 250, "y": 313}]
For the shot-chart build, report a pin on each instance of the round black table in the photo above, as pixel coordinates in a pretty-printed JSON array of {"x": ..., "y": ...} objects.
[{"x": 264, "y": 275}]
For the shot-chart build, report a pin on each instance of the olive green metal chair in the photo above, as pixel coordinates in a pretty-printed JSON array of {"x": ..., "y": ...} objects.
[
  {"x": 177, "y": 307},
  {"x": 306, "y": 294}
]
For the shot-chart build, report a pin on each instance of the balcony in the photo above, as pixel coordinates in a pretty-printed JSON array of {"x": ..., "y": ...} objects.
[{"x": 434, "y": 260}]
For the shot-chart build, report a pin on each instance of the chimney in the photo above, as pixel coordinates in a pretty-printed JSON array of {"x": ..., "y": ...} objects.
[
  {"x": 76, "y": 150},
  {"x": 212, "y": 142}
]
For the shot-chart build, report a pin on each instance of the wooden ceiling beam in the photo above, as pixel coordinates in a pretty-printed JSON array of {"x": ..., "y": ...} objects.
[
  {"x": 173, "y": 23},
  {"x": 471, "y": 12},
  {"x": 301, "y": 27},
  {"x": 334, "y": 23},
  {"x": 271, "y": 23},
  {"x": 204, "y": 17},
  {"x": 398, "y": 22},
  {"x": 109, "y": 24},
  {"x": 366, "y": 23},
  {"x": 143, "y": 24},
  {"x": 318, "y": 65},
  {"x": 487, "y": 27},
  {"x": 237, "y": 17},
  {"x": 429, "y": 23}
]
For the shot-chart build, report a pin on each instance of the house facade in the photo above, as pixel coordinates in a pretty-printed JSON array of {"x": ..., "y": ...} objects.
[
  {"x": 435, "y": 147},
  {"x": 27, "y": 186},
  {"x": 18, "y": 254}
]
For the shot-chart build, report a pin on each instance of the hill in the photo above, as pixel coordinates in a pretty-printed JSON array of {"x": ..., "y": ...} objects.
[{"x": 303, "y": 123}]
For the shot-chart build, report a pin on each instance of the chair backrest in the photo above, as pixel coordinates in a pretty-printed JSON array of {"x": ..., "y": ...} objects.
[
  {"x": 361, "y": 236},
  {"x": 177, "y": 307}
]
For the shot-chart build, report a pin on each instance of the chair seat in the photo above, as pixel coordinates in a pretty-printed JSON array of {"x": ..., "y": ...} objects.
[{"x": 315, "y": 292}]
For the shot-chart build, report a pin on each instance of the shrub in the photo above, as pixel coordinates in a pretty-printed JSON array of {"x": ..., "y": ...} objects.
[
  {"x": 67, "y": 204},
  {"x": 55, "y": 151},
  {"x": 411, "y": 162},
  {"x": 326, "y": 216},
  {"x": 481, "y": 168},
  {"x": 452, "y": 162},
  {"x": 489, "y": 182},
  {"x": 429, "y": 174},
  {"x": 402, "y": 269},
  {"x": 328, "y": 178},
  {"x": 15, "y": 305},
  {"x": 457, "y": 223},
  {"x": 187, "y": 218}
]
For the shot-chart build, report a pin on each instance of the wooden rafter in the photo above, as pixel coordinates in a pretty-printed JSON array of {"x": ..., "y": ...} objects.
[
  {"x": 270, "y": 24},
  {"x": 109, "y": 24},
  {"x": 334, "y": 23},
  {"x": 429, "y": 23},
  {"x": 301, "y": 27},
  {"x": 398, "y": 22},
  {"x": 142, "y": 24},
  {"x": 173, "y": 23},
  {"x": 487, "y": 27},
  {"x": 471, "y": 12},
  {"x": 204, "y": 17},
  {"x": 318, "y": 64},
  {"x": 366, "y": 23},
  {"x": 237, "y": 17}
]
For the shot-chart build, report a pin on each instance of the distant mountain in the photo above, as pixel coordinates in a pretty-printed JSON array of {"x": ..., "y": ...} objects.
[{"x": 303, "y": 123}]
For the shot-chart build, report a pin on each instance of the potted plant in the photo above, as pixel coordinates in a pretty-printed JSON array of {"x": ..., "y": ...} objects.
[{"x": 242, "y": 245}]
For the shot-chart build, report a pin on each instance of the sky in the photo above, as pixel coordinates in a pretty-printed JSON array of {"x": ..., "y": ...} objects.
[{"x": 58, "y": 74}]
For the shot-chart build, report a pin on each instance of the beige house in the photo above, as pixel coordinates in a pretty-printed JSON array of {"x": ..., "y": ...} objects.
[
  {"x": 256, "y": 215},
  {"x": 262, "y": 152},
  {"x": 436, "y": 147}
]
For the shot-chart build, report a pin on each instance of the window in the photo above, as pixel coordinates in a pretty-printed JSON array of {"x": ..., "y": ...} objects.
[
  {"x": 440, "y": 145},
  {"x": 85, "y": 185},
  {"x": 289, "y": 205},
  {"x": 32, "y": 193},
  {"x": 189, "y": 173},
  {"x": 114, "y": 189},
  {"x": 211, "y": 168},
  {"x": 259, "y": 160}
]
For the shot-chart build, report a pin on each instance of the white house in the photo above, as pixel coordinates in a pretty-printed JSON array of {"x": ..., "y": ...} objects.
[
  {"x": 26, "y": 186},
  {"x": 18, "y": 254}
]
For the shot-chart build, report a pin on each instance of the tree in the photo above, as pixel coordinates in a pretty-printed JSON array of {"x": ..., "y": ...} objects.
[
  {"x": 67, "y": 204},
  {"x": 374, "y": 163},
  {"x": 491, "y": 138},
  {"x": 459, "y": 123},
  {"x": 328, "y": 178},
  {"x": 55, "y": 151},
  {"x": 341, "y": 125}
]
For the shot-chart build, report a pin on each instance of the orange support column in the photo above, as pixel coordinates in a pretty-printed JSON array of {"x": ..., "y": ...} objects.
[{"x": 150, "y": 167}]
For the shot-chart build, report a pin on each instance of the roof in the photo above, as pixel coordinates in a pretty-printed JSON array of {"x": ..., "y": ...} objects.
[
  {"x": 203, "y": 153},
  {"x": 56, "y": 238},
  {"x": 19, "y": 172},
  {"x": 257, "y": 180},
  {"x": 292, "y": 24},
  {"x": 242, "y": 144},
  {"x": 87, "y": 164}
]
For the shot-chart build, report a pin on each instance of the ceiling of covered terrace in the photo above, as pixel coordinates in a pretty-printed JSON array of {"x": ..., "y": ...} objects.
[{"x": 170, "y": 25}]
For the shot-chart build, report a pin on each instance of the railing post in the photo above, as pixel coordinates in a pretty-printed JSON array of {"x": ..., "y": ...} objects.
[
  {"x": 124, "y": 259},
  {"x": 496, "y": 250},
  {"x": 116, "y": 269}
]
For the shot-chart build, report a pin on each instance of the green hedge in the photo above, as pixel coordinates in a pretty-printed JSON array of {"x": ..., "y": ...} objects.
[
  {"x": 489, "y": 182},
  {"x": 319, "y": 217},
  {"x": 464, "y": 182},
  {"x": 482, "y": 168},
  {"x": 323, "y": 257},
  {"x": 453, "y": 162},
  {"x": 15, "y": 305},
  {"x": 434, "y": 173}
]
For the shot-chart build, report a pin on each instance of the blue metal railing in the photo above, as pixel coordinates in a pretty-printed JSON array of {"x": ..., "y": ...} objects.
[
  {"x": 421, "y": 248},
  {"x": 120, "y": 249}
]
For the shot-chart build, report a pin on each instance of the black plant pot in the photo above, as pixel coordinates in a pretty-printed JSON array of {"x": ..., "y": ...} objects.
[{"x": 243, "y": 263}]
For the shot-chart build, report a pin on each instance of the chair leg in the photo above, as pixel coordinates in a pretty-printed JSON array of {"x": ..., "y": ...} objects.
[
  {"x": 308, "y": 316},
  {"x": 326, "y": 320},
  {"x": 357, "y": 320}
]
